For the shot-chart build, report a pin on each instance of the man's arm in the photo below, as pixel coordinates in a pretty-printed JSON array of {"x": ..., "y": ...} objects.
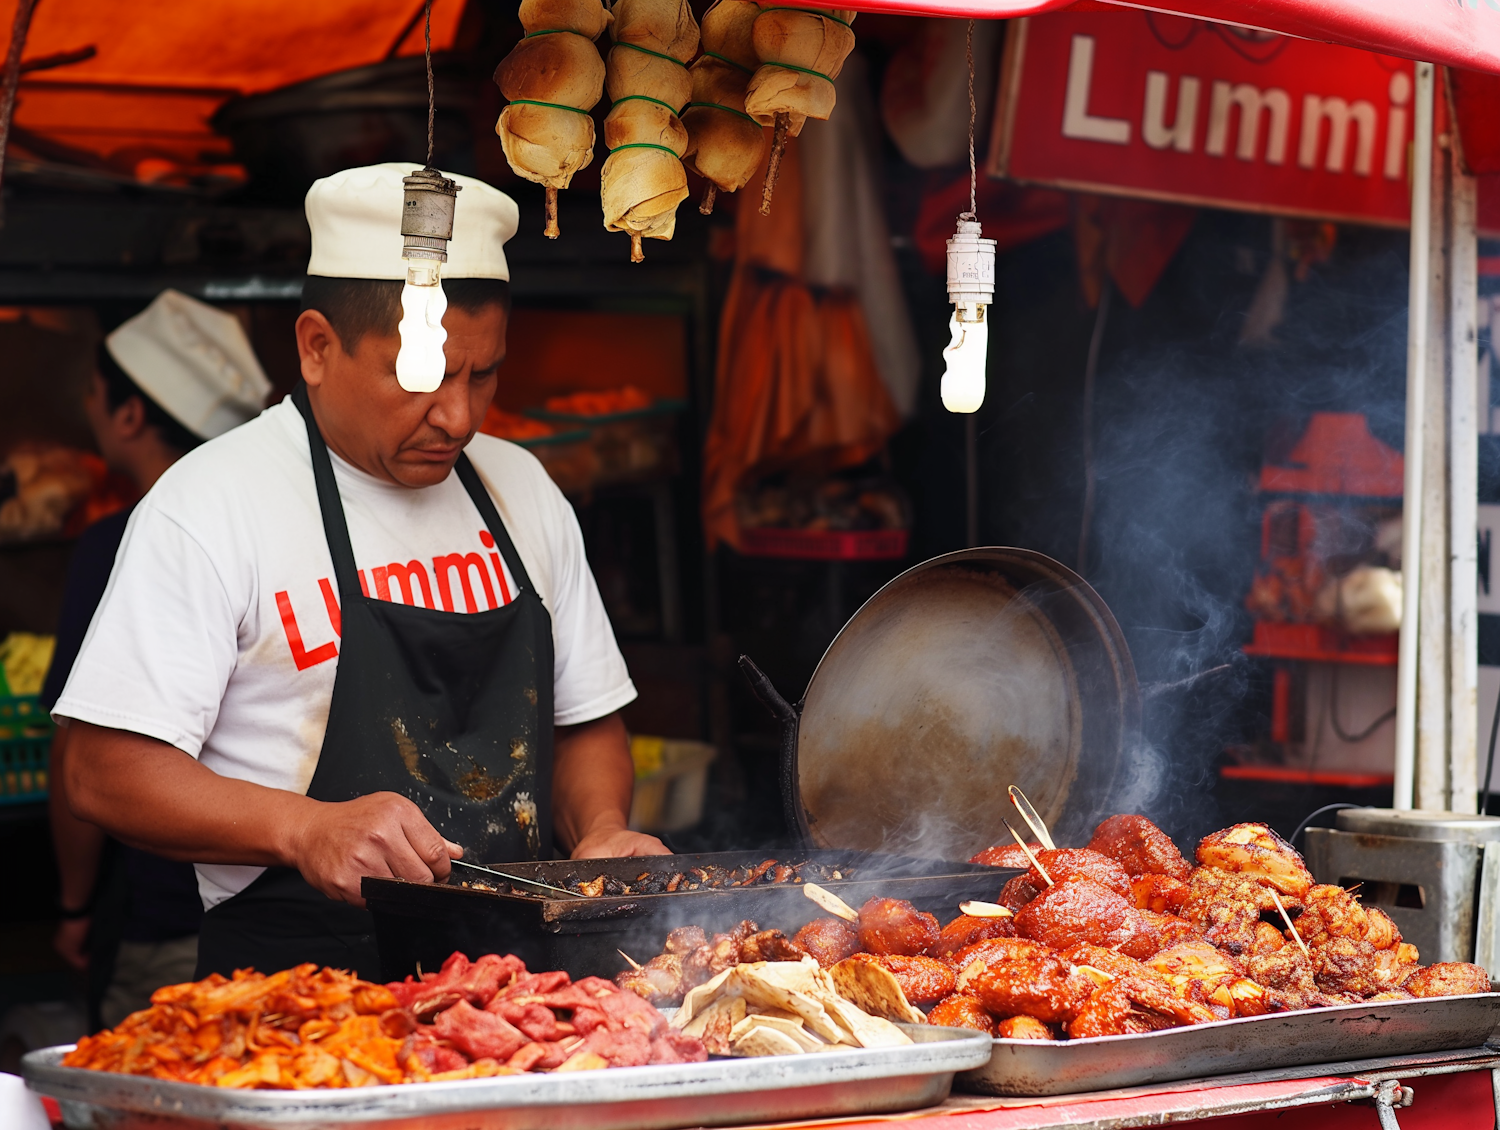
[
  {"x": 78, "y": 847},
  {"x": 592, "y": 779},
  {"x": 151, "y": 795}
]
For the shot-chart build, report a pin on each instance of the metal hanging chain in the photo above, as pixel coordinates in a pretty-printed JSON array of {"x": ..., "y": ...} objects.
[
  {"x": 431, "y": 99},
  {"x": 973, "y": 212}
]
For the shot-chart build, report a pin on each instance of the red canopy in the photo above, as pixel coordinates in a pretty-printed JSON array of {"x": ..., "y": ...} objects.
[{"x": 1458, "y": 33}]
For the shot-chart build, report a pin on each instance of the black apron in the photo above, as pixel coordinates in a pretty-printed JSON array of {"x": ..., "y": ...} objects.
[{"x": 452, "y": 710}]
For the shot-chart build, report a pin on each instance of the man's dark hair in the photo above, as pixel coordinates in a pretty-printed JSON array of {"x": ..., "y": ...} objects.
[
  {"x": 355, "y": 307},
  {"x": 119, "y": 388}
]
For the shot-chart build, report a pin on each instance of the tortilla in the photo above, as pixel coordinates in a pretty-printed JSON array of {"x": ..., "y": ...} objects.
[
  {"x": 765, "y": 1040},
  {"x": 874, "y": 989}
]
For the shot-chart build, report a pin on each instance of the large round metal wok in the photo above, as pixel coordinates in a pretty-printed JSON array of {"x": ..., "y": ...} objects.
[{"x": 966, "y": 674}]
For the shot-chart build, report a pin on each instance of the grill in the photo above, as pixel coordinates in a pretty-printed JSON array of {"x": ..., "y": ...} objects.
[{"x": 962, "y": 676}]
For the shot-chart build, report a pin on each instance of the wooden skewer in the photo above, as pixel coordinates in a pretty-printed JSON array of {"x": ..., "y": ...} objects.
[
  {"x": 634, "y": 964},
  {"x": 975, "y": 909},
  {"x": 637, "y": 254},
  {"x": 1287, "y": 918},
  {"x": 709, "y": 195},
  {"x": 1029, "y": 814},
  {"x": 830, "y": 902},
  {"x": 551, "y": 230},
  {"x": 1035, "y": 862},
  {"x": 773, "y": 166}
]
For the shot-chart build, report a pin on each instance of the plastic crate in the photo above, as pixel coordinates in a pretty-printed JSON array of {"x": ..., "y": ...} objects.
[{"x": 25, "y": 738}]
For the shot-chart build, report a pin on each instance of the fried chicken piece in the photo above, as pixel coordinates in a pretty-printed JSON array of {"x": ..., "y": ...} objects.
[
  {"x": 658, "y": 982},
  {"x": 962, "y": 1010},
  {"x": 1227, "y": 907},
  {"x": 1005, "y": 855},
  {"x": 1016, "y": 893},
  {"x": 1171, "y": 929},
  {"x": 1392, "y": 995},
  {"x": 1333, "y": 912},
  {"x": 1268, "y": 939},
  {"x": 1061, "y": 863},
  {"x": 1023, "y": 1028},
  {"x": 1352, "y": 965},
  {"x": 685, "y": 939},
  {"x": 895, "y": 926},
  {"x": 992, "y": 950},
  {"x": 1157, "y": 893},
  {"x": 1221, "y": 981},
  {"x": 1078, "y": 909},
  {"x": 1133, "y": 1006},
  {"x": 1448, "y": 979},
  {"x": 1140, "y": 847},
  {"x": 770, "y": 945},
  {"x": 965, "y": 931},
  {"x": 707, "y": 961},
  {"x": 1257, "y": 852},
  {"x": 1041, "y": 985},
  {"x": 829, "y": 940},
  {"x": 922, "y": 979}
]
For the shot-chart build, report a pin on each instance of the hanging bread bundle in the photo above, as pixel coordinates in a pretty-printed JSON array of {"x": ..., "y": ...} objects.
[
  {"x": 552, "y": 78},
  {"x": 801, "y": 53},
  {"x": 647, "y": 79},
  {"x": 725, "y": 144}
]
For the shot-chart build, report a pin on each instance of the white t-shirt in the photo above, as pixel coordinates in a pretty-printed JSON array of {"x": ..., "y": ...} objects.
[{"x": 218, "y": 632}]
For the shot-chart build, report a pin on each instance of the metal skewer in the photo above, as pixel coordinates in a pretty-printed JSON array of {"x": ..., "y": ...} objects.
[
  {"x": 1033, "y": 821},
  {"x": 517, "y": 878},
  {"x": 1035, "y": 862},
  {"x": 1287, "y": 918},
  {"x": 975, "y": 909},
  {"x": 830, "y": 902}
]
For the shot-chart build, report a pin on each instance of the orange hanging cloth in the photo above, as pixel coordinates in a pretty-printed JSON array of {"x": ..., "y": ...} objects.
[{"x": 795, "y": 383}]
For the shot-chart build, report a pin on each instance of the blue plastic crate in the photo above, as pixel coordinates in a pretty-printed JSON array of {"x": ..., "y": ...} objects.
[{"x": 25, "y": 738}]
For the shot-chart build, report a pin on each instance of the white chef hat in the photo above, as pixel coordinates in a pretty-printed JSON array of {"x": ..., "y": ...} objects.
[
  {"x": 355, "y": 216},
  {"x": 194, "y": 361}
]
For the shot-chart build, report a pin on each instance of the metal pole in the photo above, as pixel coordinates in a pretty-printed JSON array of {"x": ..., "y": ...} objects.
[
  {"x": 971, "y": 480},
  {"x": 1416, "y": 391},
  {"x": 1463, "y": 490}
]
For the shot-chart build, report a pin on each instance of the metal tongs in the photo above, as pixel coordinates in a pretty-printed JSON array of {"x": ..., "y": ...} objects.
[{"x": 517, "y": 879}]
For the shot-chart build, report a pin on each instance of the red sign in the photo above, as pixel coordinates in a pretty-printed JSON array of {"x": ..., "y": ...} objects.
[{"x": 1146, "y": 105}]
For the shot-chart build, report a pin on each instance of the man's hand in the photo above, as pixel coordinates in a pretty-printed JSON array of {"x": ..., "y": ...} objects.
[
  {"x": 617, "y": 842},
  {"x": 71, "y": 942},
  {"x": 383, "y": 835}
]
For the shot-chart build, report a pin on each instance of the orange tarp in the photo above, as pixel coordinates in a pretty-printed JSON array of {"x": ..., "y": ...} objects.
[{"x": 161, "y": 69}]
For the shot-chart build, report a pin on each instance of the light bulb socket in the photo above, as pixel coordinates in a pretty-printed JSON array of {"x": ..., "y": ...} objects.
[
  {"x": 427, "y": 214},
  {"x": 971, "y": 266}
]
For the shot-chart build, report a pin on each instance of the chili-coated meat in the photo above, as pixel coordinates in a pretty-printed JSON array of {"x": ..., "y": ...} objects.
[
  {"x": 1132, "y": 1006},
  {"x": 895, "y": 926},
  {"x": 965, "y": 931},
  {"x": 1016, "y": 893},
  {"x": 1005, "y": 855},
  {"x": 1160, "y": 894},
  {"x": 1140, "y": 847},
  {"x": 1064, "y": 862},
  {"x": 1042, "y": 985},
  {"x": 829, "y": 940},
  {"x": 961, "y": 1010},
  {"x": 1255, "y": 851},
  {"x": 995, "y": 949},
  {"x": 1078, "y": 909},
  {"x": 1023, "y": 1028},
  {"x": 922, "y": 979},
  {"x": 1448, "y": 979}
]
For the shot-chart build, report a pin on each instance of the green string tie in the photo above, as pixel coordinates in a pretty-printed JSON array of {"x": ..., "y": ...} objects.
[
  {"x": 812, "y": 12},
  {"x": 658, "y": 54},
  {"x": 644, "y": 145},
  {"x": 726, "y": 109},
  {"x": 646, "y": 98},
  {"x": 549, "y": 105},
  {"x": 556, "y": 31},
  {"x": 794, "y": 67},
  {"x": 731, "y": 62}
]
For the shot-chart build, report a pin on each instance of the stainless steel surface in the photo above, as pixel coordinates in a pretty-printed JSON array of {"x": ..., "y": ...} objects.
[
  {"x": 1487, "y": 914},
  {"x": 1325, "y": 1035},
  {"x": 1417, "y": 824},
  {"x": 720, "y": 1092},
  {"x": 1430, "y": 888},
  {"x": 963, "y": 675}
]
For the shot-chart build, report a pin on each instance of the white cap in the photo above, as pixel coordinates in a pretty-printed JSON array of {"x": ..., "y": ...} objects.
[
  {"x": 193, "y": 360},
  {"x": 355, "y": 217}
]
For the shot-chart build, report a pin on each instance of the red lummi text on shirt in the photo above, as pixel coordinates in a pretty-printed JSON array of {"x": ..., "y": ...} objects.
[{"x": 410, "y": 581}]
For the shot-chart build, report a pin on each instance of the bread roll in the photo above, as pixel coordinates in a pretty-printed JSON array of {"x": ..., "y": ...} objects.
[
  {"x": 646, "y": 75},
  {"x": 725, "y": 145},
  {"x": 552, "y": 78},
  {"x": 801, "y": 53}
]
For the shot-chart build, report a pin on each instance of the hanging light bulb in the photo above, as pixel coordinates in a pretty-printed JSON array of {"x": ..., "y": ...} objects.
[
  {"x": 427, "y": 226},
  {"x": 971, "y": 287}
]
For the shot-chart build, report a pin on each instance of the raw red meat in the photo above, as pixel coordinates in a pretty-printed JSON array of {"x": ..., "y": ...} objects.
[
  {"x": 536, "y": 1020},
  {"x": 585, "y": 1020},
  {"x": 479, "y": 1034},
  {"x": 677, "y": 1047},
  {"x": 535, "y": 984},
  {"x": 477, "y": 982},
  {"x": 433, "y": 1056},
  {"x": 629, "y": 1047},
  {"x": 626, "y": 1010}
]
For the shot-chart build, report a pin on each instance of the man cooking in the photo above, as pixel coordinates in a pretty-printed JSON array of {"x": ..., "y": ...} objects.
[{"x": 352, "y": 637}]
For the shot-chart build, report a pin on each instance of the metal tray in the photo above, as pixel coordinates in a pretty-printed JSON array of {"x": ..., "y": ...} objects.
[
  {"x": 425, "y": 922},
  {"x": 771, "y": 1089},
  {"x": 1229, "y": 1047}
]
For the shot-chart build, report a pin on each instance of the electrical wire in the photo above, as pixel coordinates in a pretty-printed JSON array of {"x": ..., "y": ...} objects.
[
  {"x": 1313, "y": 815},
  {"x": 431, "y": 96},
  {"x": 973, "y": 212},
  {"x": 1333, "y": 714},
  {"x": 1489, "y": 763}
]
